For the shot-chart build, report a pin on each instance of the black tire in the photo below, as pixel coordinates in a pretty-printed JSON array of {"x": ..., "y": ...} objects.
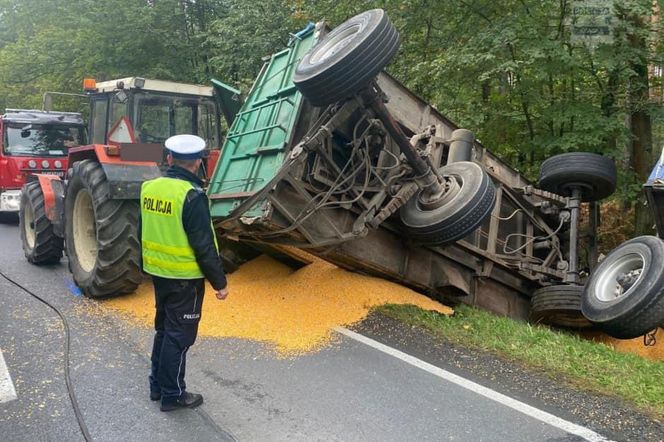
[
  {"x": 100, "y": 234},
  {"x": 40, "y": 244},
  {"x": 594, "y": 174},
  {"x": 347, "y": 59},
  {"x": 629, "y": 309},
  {"x": 558, "y": 305},
  {"x": 459, "y": 216}
]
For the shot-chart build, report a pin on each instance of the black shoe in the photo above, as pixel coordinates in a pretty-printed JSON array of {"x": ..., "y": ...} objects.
[
  {"x": 187, "y": 400},
  {"x": 155, "y": 395}
]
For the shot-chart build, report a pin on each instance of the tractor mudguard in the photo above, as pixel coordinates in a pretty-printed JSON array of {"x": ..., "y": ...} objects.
[
  {"x": 124, "y": 177},
  {"x": 54, "y": 200},
  {"x": 125, "y": 180}
]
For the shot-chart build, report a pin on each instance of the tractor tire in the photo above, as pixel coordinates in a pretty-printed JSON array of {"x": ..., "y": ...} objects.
[
  {"x": 347, "y": 59},
  {"x": 101, "y": 237},
  {"x": 624, "y": 295},
  {"x": 595, "y": 175},
  {"x": 40, "y": 244},
  {"x": 558, "y": 305},
  {"x": 459, "y": 216}
]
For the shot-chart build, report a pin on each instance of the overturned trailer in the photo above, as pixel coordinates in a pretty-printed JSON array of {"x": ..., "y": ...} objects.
[{"x": 332, "y": 155}]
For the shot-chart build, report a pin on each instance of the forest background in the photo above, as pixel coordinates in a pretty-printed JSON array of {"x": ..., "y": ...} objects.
[{"x": 513, "y": 71}]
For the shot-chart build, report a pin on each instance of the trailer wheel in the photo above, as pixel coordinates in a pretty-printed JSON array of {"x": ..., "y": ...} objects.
[
  {"x": 595, "y": 175},
  {"x": 462, "y": 210},
  {"x": 347, "y": 59},
  {"x": 100, "y": 234},
  {"x": 624, "y": 295},
  {"x": 558, "y": 305},
  {"x": 40, "y": 244}
]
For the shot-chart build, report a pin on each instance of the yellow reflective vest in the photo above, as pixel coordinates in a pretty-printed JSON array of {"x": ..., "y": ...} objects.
[{"x": 166, "y": 249}]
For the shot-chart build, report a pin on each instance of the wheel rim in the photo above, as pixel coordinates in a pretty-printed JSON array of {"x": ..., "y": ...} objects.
[
  {"x": 452, "y": 185},
  {"x": 620, "y": 279},
  {"x": 85, "y": 232},
  {"x": 29, "y": 225},
  {"x": 334, "y": 44}
]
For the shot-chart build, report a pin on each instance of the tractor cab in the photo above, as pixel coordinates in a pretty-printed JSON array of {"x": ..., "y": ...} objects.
[{"x": 138, "y": 114}]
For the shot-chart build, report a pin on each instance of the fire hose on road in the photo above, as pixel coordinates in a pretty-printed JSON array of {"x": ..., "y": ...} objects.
[{"x": 70, "y": 388}]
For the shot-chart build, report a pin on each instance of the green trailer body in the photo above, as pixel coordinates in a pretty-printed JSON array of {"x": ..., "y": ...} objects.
[
  {"x": 273, "y": 165},
  {"x": 261, "y": 133}
]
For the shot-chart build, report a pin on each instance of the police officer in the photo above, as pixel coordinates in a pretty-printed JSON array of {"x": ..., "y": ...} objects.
[{"x": 179, "y": 250}]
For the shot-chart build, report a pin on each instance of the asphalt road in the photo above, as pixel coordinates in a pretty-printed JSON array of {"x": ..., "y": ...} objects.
[{"x": 386, "y": 383}]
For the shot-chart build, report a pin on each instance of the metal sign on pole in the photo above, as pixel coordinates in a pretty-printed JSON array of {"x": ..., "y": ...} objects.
[{"x": 592, "y": 22}]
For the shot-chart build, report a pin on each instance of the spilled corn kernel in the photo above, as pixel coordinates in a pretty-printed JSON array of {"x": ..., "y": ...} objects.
[
  {"x": 294, "y": 311},
  {"x": 635, "y": 346}
]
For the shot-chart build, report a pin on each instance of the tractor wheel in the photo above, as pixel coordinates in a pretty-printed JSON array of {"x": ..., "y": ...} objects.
[
  {"x": 40, "y": 244},
  {"x": 595, "y": 175},
  {"x": 100, "y": 234},
  {"x": 347, "y": 59},
  {"x": 469, "y": 200},
  {"x": 558, "y": 305},
  {"x": 624, "y": 295}
]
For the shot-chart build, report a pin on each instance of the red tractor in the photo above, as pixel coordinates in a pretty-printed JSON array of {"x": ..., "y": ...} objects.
[{"x": 91, "y": 213}]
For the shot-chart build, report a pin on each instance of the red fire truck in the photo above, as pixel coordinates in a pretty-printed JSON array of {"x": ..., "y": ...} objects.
[{"x": 31, "y": 142}]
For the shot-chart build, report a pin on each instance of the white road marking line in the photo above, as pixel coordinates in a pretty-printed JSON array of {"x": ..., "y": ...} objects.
[
  {"x": 7, "y": 391},
  {"x": 519, "y": 406}
]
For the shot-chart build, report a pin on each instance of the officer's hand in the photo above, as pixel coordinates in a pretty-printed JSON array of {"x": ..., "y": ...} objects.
[{"x": 222, "y": 293}]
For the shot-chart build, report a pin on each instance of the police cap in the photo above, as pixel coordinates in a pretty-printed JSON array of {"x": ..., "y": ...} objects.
[{"x": 185, "y": 147}]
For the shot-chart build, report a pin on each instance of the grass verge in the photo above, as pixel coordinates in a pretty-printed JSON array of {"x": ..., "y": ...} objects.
[{"x": 584, "y": 364}]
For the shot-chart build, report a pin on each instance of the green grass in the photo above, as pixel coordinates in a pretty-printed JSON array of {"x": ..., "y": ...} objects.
[{"x": 582, "y": 364}]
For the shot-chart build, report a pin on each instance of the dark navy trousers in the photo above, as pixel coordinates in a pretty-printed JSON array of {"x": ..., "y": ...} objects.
[{"x": 178, "y": 303}]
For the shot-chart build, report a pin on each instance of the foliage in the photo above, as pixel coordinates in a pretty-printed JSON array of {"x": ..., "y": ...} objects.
[
  {"x": 510, "y": 70},
  {"x": 247, "y": 32}
]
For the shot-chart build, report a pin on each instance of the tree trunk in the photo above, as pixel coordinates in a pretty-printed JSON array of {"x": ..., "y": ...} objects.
[
  {"x": 642, "y": 163},
  {"x": 639, "y": 150},
  {"x": 641, "y": 131}
]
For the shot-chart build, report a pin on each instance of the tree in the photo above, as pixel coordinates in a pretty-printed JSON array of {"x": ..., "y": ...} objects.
[{"x": 510, "y": 70}]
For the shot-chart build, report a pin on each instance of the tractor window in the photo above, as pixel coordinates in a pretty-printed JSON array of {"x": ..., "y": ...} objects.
[
  {"x": 208, "y": 125},
  {"x": 158, "y": 117},
  {"x": 183, "y": 119},
  {"x": 118, "y": 110},
  {"x": 153, "y": 120},
  {"x": 42, "y": 140},
  {"x": 98, "y": 120}
]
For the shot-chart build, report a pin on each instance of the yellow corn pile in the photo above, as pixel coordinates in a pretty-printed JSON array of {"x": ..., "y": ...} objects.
[
  {"x": 295, "y": 311},
  {"x": 636, "y": 346}
]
